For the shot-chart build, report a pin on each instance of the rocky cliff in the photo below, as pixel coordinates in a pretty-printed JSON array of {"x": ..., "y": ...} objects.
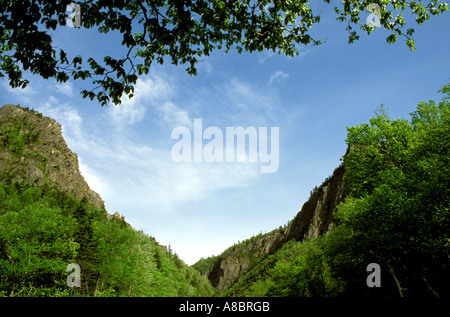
[
  {"x": 33, "y": 150},
  {"x": 231, "y": 265},
  {"x": 315, "y": 218}
]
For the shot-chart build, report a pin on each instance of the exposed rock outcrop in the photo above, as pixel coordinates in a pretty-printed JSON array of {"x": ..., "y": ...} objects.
[
  {"x": 314, "y": 219},
  {"x": 316, "y": 216},
  {"x": 232, "y": 265},
  {"x": 33, "y": 150}
]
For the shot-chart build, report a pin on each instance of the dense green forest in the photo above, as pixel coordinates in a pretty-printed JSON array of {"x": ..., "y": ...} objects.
[
  {"x": 396, "y": 214},
  {"x": 42, "y": 230}
]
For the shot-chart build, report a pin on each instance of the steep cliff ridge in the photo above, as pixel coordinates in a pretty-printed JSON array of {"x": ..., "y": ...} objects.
[
  {"x": 314, "y": 219},
  {"x": 316, "y": 216},
  {"x": 33, "y": 150}
]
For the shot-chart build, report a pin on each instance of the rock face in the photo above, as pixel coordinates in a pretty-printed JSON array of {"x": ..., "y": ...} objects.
[
  {"x": 33, "y": 150},
  {"x": 314, "y": 219},
  {"x": 233, "y": 264},
  {"x": 316, "y": 216}
]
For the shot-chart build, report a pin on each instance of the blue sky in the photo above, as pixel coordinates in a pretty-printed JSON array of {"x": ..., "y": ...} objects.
[{"x": 200, "y": 209}]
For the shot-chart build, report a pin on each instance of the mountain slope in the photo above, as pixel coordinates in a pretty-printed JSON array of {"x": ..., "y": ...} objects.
[
  {"x": 313, "y": 220},
  {"x": 49, "y": 217}
]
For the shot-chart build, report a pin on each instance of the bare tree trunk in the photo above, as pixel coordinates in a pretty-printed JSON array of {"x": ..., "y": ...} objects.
[
  {"x": 12, "y": 290},
  {"x": 130, "y": 290},
  {"x": 429, "y": 286},
  {"x": 96, "y": 286},
  {"x": 391, "y": 270}
]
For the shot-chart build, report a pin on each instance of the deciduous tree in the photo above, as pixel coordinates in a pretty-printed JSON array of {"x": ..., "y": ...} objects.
[
  {"x": 398, "y": 210},
  {"x": 181, "y": 31}
]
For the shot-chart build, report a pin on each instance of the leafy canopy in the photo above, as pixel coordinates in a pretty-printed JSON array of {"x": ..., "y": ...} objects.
[
  {"x": 397, "y": 213},
  {"x": 182, "y": 31}
]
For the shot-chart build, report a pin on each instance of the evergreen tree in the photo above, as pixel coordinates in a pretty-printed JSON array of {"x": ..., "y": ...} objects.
[{"x": 88, "y": 253}]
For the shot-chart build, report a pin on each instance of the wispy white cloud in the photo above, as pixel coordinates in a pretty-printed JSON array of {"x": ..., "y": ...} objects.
[
  {"x": 25, "y": 95},
  {"x": 66, "y": 115},
  {"x": 277, "y": 76},
  {"x": 91, "y": 177},
  {"x": 262, "y": 58},
  {"x": 174, "y": 116},
  {"x": 116, "y": 162},
  {"x": 249, "y": 104},
  {"x": 154, "y": 181},
  {"x": 29, "y": 94},
  {"x": 131, "y": 110},
  {"x": 64, "y": 88},
  {"x": 153, "y": 93},
  {"x": 143, "y": 175}
]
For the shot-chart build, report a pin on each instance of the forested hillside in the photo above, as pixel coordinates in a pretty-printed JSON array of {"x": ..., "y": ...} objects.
[
  {"x": 396, "y": 213},
  {"x": 45, "y": 224}
]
